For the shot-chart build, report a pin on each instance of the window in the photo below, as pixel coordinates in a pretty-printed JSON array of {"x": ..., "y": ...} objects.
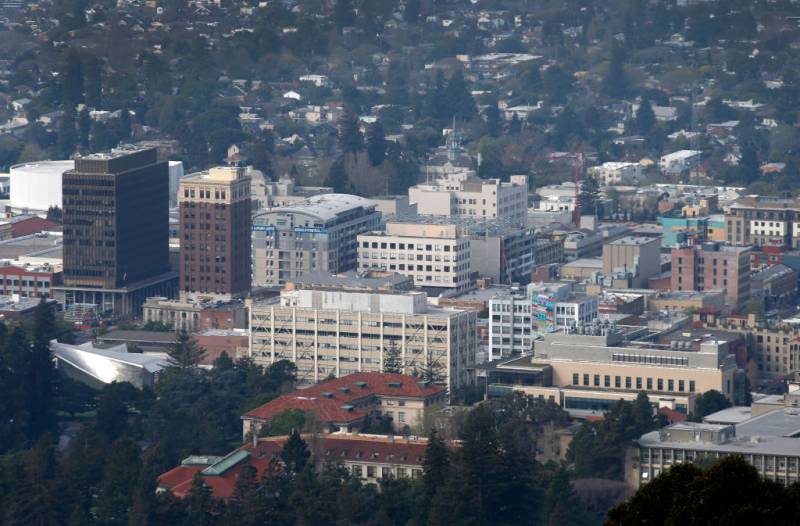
[
  {"x": 617, "y": 382},
  {"x": 607, "y": 381},
  {"x": 597, "y": 380},
  {"x": 356, "y": 470},
  {"x": 670, "y": 385},
  {"x": 638, "y": 382},
  {"x": 649, "y": 384},
  {"x": 585, "y": 379},
  {"x": 386, "y": 473},
  {"x": 660, "y": 384},
  {"x": 574, "y": 378},
  {"x": 691, "y": 386},
  {"x": 371, "y": 471},
  {"x": 627, "y": 382},
  {"x": 681, "y": 386},
  {"x": 401, "y": 416}
]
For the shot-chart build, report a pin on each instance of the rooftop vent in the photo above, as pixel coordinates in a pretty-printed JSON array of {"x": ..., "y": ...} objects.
[
  {"x": 362, "y": 384},
  {"x": 424, "y": 383},
  {"x": 347, "y": 407},
  {"x": 344, "y": 389},
  {"x": 395, "y": 384},
  {"x": 327, "y": 394}
]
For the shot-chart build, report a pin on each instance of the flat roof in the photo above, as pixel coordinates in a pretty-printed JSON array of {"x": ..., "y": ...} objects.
[
  {"x": 326, "y": 206},
  {"x": 732, "y": 415},
  {"x": 49, "y": 244},
  {"x": 634, "y": 240}
]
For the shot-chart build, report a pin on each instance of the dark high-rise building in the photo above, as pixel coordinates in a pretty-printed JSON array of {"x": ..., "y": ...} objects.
[
  {"x": 215, "y": 233},
  {"x": 116, "y": 230}
]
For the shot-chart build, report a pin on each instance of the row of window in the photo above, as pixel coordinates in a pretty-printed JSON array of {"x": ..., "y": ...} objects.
[{"x": 640, "y": 383}]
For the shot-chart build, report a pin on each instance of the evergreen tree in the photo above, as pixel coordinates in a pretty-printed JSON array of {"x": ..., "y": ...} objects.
[
  {"x": 223, "y": 362},
  {"x": 458, "y": 98},
  {"x": 707, "y": 403},
  {"x": 34, "y": 500},
  {"x": 645, "y": 118},
  {"x": 120, "y": 475},
  {"x": 589, "y": 196},
  {"x": 615, "y": 84},
  {"x": 94, "y": 89},
  {"x": 84, "y": 127},
  {"x": 185, "y": 352},
  {"x": 376, "y": 144},
  {"x": 435, "y": 466},
  {"x": 412, "y": 11},
  {"x": 73, "y": 80},
  {"x": 351, "y": 140},
  {"x": 494, "y": 125},
  {"x": 337, "y": 177},
  {"x": 515, "y": 126},
  {"x": 436, "y": 103},
  {"x": 295, "y": 453},
  {"x": 200, "y": 504},
  {"x": 125, "y": 124},
  {"x": 67, "y": 134},
  {"x": 343, "y": 15},
  {"x": 41, "y": 379},
  {"x": 392, "y": 358}
]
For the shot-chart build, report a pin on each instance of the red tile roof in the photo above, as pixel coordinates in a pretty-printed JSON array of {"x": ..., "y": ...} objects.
[
  {"x": 335, "y": 400},
  {"x": 334, "y": 447},
  {"x": 31, "y": 225},
  {"x": 672, "y": 415}
]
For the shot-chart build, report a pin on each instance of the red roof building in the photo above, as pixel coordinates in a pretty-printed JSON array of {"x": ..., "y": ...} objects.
[
  {"x": 344, "y": 403},
  {"x": 368, "y": 457}
]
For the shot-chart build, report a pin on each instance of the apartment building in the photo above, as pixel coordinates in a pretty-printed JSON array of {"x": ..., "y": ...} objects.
[
  {"x": 214, "y": 209},
  {"x": 339, "y": 330},
  {"x": 345, "y": 403},
  {"x": 436, "y": 256},
  {"x": 616, "y": 173},
  {"x": 763, "y": 221},
  {"x": 676, "y": 163},
  {"x": 460, "y": 193},
  {"x": 711, "y": 266},
  {"x": 518, "y": 316},
  {"x": 315, "y": 235},
  {"x": 591, "y": 367}
]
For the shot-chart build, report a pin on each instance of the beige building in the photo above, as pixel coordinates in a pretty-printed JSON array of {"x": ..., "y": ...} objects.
[
  {"x": 761, "y": 220},
  {"x": 436, "y": 256},
  {"x": 460, "y": 193},
  {"x": 315, "y": 235},
  {"x": 590, "y": 369},
  {"x": 334, "y": 330},
  {"x": 637, "y": 255},
  {"x": 688, "y": 300}
]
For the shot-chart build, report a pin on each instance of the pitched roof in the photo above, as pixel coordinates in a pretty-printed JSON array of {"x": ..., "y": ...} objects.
[{"x": 334, "y": 400}]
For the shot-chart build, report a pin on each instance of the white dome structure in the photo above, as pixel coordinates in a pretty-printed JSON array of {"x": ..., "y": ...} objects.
[{"x": 37, "y": 185}]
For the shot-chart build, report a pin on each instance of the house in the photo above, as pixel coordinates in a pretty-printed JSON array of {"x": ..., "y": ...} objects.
[
  {"x": 345, "y": 402},
  {"x": 292, "y": 95},
  {"x": 676, "y": 163},
  {"x": 320, "y": 81}
]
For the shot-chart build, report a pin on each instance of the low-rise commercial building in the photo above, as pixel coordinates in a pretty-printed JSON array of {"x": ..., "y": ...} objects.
[
  {"x": 763, "y": 221},
  {"x": 634, "y": 258},
  {"x": 616, "y": 173},
  {"x": 194, "y": 316},
  {"x": 767, "y": 441},
  {"x": 339, "y": 329},
  {"x": 590, "y": 368}
]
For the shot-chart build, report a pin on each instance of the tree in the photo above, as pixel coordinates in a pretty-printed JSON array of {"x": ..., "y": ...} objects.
[
  {"x": 94, "y": 88},
  {"x": 120, "y": 474},
  {"x": 73, "y": 80},
  {"x": 494, "y": 125},
  {"x": 84, "y": 127},
  {"x": 707, "y": 403},
  {"x": 645, "y": 118},
  {"x": 435, "y": 467},
  {"x": 185, "y": 352},
  {"x": 41, "y": 377},
  {"x": 392, "y": 359},
  {"x": 200, "y": 503},
  {"x": 343, "y": 15},
  {"x": 589, "y": 196},
  {"x": 351, "y": 140},
  {"x": 337, "y": 177},
  {"x": 412, "y": 11},
  {"x": 458, "y": 98},
  {"x": 67, "y": 134},
  {"x": 295, "y": 453},
  {"x": 376, "y": 144},
  {"x": 615, "y": 83}
]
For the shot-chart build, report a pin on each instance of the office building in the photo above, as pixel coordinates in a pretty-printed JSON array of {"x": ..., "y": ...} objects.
[
  {"x": 116, "y": 231},
  {"x": 711, "y": 266},
  {"x": 341, "y": 329},
  {"x": 193, "y": 315},
  {"x": 591, "y": 367},
  {"x": 763, "y": 221},
  {"x": 436, "y": 256},
  {"x": 461, "y": 193},
  {"x": 215, "y": 233},
  {"x": 345, "y": 403},
  {"x": 517, "y": 316},
  {"x": 315, "y": 235}
]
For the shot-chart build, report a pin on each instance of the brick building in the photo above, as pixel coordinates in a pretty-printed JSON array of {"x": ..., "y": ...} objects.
[{"x": 215, "y": 233}]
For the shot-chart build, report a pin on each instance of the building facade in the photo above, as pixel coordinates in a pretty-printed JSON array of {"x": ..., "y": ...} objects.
[
  {"x": 713, "y": 266},
  {"x": 636, "y": 256},
  {"x": 116, "y": 229},
  {"x": 215, "y": 233},
  {"x": 763, "y": 221},
  {"x": 436, "y": 256},
  {"x": 315, "y": 235},
  {"x": 616, "y": 173},
  {"x": 461, "y": 193},
  {"x": 331, "y": 330}
]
